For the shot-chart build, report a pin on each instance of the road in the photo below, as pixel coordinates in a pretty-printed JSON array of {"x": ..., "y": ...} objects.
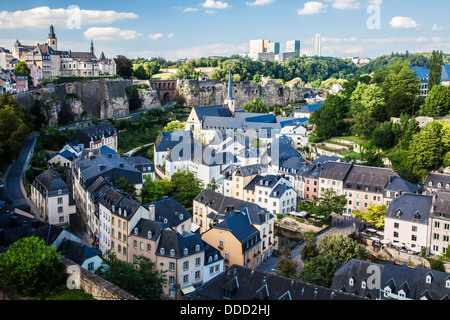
[{"x": 13, "y": 178}]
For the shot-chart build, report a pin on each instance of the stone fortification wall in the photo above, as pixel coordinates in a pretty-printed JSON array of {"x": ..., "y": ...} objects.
[
  {"x": 213, "y": 92},
  {"x": 102, "y": 99}
]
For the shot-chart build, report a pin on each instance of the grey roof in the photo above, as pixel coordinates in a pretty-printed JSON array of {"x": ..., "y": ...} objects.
[
  {"x": 372, "y": 179},
  {"x": 335, "y": 170},
  {"x": 170, "y": 209},
  {"x": 266, "y": 181},
  {"x": 399, "y": 184},
  {"x": 167, "y": 140},
  {"x": 214, "y": 110},
  {"x": 119, "y": 203},
  {"x": 144, "y": 226},
  {"x": 410, "y": 280},
  {"x": 293, "y": 164},
  {"x": 217, "y": 201},
  {"x": 436, "y": 179},
  {"x": 111, "y": 166},
  {"x": 279, "y": 190},
  {"x": 239, "y": 225},
  {"x": 281, "y": 150},
  {"x": 95, "y": 133},
  {"x": 244, "y": 283},
  {"x": 51, "y": 180},
  {"x": 324, "y": 159},
  {"x": 441, "y": 203},
  {"x": 310, "y": 108},
  {"x": 407, "y": 205},
  {"x": 77, "y": 252},
  {"x": 244, "y": 171},
  {"x": 172, "y": 240},
  {"x": 195, "y": 152}
]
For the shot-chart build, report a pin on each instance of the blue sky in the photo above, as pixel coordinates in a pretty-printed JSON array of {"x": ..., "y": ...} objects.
[{"x": 196, "y": 28}]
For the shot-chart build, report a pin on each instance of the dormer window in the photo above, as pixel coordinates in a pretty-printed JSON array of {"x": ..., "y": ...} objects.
[
  {"x": 447, "y": 283},
  {"x": 417, "y": 215},
  {"x": 162, "y": 251},
  {"x": 149, "y": 235},
  {"x": 197, "y": 248},
  {"x": 439, "y": 185},
  {"x": 185, "y": 251},
  {"x": 430, "y": 184},
  {"x": 363, "y": 284},
  {"x": 209, "y": 259},
  {"x": 181, "y": 216},
  {"x": 136, "y": 231},
  {"x": 217, "y": 257},
  {"x": 398, "y": 213},
  {"x": 165, "y": 220},
  {"x": 172, "y": 252},
  {"x": 351, "y": 281},
  {"x": 429, "y": 278}
]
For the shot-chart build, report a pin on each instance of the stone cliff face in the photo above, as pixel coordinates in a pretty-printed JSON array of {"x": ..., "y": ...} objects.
[
  {"x": 212, "y": 92},
  {"x": 102, "y": 99}
]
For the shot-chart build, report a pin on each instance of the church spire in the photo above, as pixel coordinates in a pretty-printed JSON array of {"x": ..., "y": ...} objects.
[
  {"x": 230, "y": 86},
  {"x": 92, "y": 47}
]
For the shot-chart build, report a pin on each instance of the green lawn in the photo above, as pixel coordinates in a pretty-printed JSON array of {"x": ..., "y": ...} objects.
[
  {"x": 67, "y": 294},
  {"x": 354, "y": 139}
]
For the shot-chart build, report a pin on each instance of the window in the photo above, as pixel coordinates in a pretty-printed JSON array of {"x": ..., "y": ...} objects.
[
  {"x": 197, "y": 275},
  {"x": 134, "y": 244},
  {"x": 220, "y": 244},
  {"x": 197, "y": 262},
  {"x": 437, "y": 224},
  {"x": 172, "y": 252},
  {"x": 149, "y": 247},
  {"x": 186, "y": 265},
  {"x": 185, "y": 278},
  {"x": 171, "y": 280},
  {"x": 60, "y": 209},
  {"x": 60, "y": 200}
]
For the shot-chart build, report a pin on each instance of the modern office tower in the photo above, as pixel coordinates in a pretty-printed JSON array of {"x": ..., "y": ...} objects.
[
  {"x": 273, "y": 47},
  {"x": 256, "y": 46},
  {"x": 293, "y": 46},
  {"x": 318, "y": 45}
]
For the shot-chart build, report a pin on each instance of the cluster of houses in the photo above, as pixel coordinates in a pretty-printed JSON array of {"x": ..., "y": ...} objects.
[
  {"x": 252, "y": 170},
  {"x": 46, "y": 61}
]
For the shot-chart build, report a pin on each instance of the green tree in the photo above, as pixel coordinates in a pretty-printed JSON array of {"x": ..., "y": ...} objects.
[
  {"x": 124, "y": 66},
  {"x": 326, "y": 120},
  {"x": 374, "y": 215},
  {"x": 309, "y": 250},
  {"x": 213, "y": 185},
  {"x": 155, "y": 190},
  {"x": 434, "y": 78},
  {"x": 427, "y": 150},
  {"x": 187, "y": 187},
  {"x": 174, "y": 126},
  {"x": 383, "y": 136},
  {"x": 342, "y": 248},
  {"x": 140, "y": 73},
  {"x": 31, "y": 268},
  {"x": 319, "y": 270},
  {"x": 328, "y": 203},
  {"x": 286, "y": 266},
  {"x": 142, "y": 279},
  {"x": 437, "y": 103},
  {"x": 126, "y": 186}
]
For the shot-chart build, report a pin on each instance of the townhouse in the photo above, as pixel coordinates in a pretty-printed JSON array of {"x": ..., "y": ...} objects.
[
  {"x": 51, "y": 195},
  {"x": 212, "y": 208},
  {"x": 96, "y": 137},
  {"x": 118, "y": 215}
]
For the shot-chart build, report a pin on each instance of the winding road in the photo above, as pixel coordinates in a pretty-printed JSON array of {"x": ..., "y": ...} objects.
[{"x": 13, "y": 182}]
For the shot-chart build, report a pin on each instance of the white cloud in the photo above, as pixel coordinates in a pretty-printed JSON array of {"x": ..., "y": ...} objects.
[
  {"x": 156, "y": 36},
  {"x": 259, "y": 2},
  {"x": 170, "y": 35},
  {"x": 215, "y": 4},
  {"x": 312, "y": 7},
  {"x": 190, "y": 9},
  {"x": 40, "y": 17},
  {"x": 345, "y": 4},
  {"x": 376, "y": 2},
  {"x": 110, "y": 33},
  {"x": 403, "y": 23},
  {"x": 437, "y": 28}
]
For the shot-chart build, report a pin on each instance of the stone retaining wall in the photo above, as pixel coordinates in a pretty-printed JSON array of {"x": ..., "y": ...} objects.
[{"x": 94, "y": 285}]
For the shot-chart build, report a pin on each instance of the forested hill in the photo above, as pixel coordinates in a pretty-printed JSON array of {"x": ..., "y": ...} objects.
[{"x": 309, "y": 70}]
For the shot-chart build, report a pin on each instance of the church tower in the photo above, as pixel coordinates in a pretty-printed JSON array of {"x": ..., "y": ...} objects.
[
  {"x": 92, "y": 47},
  {"x": 229, "y": 101},
  {"x": 51, "y": 39}
]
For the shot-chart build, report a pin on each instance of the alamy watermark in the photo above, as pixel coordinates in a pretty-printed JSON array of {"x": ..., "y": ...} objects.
[
  {"x": 374, "y": 20},
  {"x": 74, "y": 18},
  {"x": 74, "y": 279}
]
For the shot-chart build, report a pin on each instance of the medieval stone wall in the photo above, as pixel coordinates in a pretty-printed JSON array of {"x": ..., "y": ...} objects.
[{"x": 212, "y": 92}]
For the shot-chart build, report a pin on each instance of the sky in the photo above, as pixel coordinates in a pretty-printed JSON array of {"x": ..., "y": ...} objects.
[{"x": 178, "y": 29}]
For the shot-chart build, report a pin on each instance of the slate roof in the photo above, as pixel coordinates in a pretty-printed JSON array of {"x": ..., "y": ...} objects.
[
  {"x": 172, "y": 240},
  {"x": 170, "y": 209},
  {"x": 441, "y": 203},
  {"x": 367, "y": 178},
  {"x": 51, "y": 180},
  {"x": 407, "y": 205},
  {"x": 77, "y": 252},
  {"x": 335, "y": 170},
  {"x": 445, "y": 74},
  {"x": 280, "y": 150},
  {"x": 411, "y": 280},
  {"x": 95, "y": 133},
  {"x": 399, "y": 184},
  {"x": 217, "y": 201},
  {"x": 422, "y": 73},
  {"x": 310, "y": 108},
  {"x": 244, "y": 283},
  {"x": 214, "y": 110},
  {"x": 145, "y": 225},
  {"x": 167, "y": 140},
  {"x": 436, "y": 179},
  {"x": 120, "y": 202}
]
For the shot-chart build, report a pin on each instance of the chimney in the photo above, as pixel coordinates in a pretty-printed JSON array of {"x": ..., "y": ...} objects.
[{"x": 151, "y": 211}]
